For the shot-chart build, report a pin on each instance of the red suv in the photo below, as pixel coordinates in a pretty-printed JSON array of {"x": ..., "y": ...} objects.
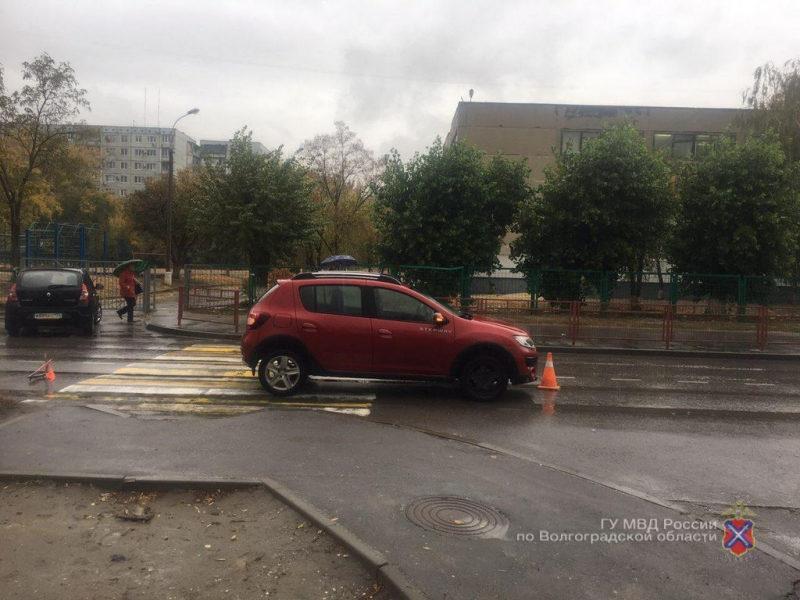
[{"x": 369, "y": 325}]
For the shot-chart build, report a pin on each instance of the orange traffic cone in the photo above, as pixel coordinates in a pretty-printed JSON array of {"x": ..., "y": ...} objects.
[
  {"x": 49, "y": 373},
  {"x": 549, "y": 381}
]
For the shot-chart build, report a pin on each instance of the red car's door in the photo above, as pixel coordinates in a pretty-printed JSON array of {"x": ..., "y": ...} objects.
[
  {"x": 331, "y": 323},
  {"x": 405, "y": 340}
]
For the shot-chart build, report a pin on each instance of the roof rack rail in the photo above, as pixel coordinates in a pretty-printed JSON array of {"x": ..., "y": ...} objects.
[{"x": 347, "y": 275}]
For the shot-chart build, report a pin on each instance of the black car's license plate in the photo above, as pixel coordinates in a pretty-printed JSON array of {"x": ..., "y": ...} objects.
[{"x": 47, "y": 316}]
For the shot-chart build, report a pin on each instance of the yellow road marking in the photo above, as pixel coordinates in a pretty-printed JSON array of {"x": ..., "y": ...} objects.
[
  {"x": 179, "y": 372},
  {"x": 213, "y": 349},
  {"x": 139, "y": 381}
]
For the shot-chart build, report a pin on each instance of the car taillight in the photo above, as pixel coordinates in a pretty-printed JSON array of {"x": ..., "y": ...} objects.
[
  {"x": 12, "y": 293},
  {"x": 84, "y": 299},
  {"x": 256, "y": 319}
]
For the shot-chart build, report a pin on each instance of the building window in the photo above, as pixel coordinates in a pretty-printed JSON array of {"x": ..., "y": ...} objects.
[
  {"x": 684, "y": 145},
  {"x": 151, "y": 166},
  {"x": 138, "y": 166},
  {"x": 151, "y": 139},
  {"x": 138, "y": 179},
  {"x": 123, "y": 151},
  {"x": 123, "y": 178},
  {"x": 123, "y": 165},
  {"x": 166, "y": 139},
  {"x": 151, "y": 152},
  {"x": 123, "y": 193},
  {"x": 123, "y": 139},
  {"x": 109, "y": 179},
  {"x": 138, "y": 138},
  {"x": 110, "y": 139},
  {"x": 111, "y": 151},
  {"x": 110, "y": 164},
  {"x": 573, "y": 141},
  {"x": 165, "y": 153}
]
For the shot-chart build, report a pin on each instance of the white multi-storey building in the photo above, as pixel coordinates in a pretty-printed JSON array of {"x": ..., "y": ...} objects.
[{"x": 132, "y": 155}]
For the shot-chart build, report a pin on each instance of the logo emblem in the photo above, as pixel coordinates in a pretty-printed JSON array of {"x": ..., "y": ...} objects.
[
  {"x": 739, "y": 537},
  {"x": 49, "y": 294}
]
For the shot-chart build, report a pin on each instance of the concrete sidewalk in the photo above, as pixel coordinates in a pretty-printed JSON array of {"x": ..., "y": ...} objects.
[{"x": 369, "y": 477}]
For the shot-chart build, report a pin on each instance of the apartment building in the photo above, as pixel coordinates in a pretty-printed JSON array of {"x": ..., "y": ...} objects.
[
  {"x": 215, "y": 152},
  {"x": 132, "y": 155}
]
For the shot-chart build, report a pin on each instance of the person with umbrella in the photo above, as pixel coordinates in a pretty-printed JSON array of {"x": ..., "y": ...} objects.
[{"x": 127, "y": 286}]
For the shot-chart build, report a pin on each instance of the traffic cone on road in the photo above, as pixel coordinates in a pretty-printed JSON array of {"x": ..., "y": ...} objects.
[
  {"x": 549, "y": 381},
  {"x": 49, "y": 373}
]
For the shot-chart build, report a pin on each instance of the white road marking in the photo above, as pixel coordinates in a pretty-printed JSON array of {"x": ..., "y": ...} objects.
[
  {"x": 624, "y": 379},
  {"x": 679, "y": 366},
  {"x": 686, "y": 381},
  {"x": 762, "y": 384}
]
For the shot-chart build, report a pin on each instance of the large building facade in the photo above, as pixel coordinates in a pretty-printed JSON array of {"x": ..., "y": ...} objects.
[
  {"x": 132, "y": 155},
  {"x": 539, "y": 132},
  {"x": 216, "y": 152}
]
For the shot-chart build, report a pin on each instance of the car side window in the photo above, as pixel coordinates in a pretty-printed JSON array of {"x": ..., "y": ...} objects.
[
  {"x": 396, "y": 306},
  {"x": 332, "y": 299}
]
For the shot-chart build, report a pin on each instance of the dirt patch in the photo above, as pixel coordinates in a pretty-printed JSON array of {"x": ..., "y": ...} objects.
[{"x": 73, "y": 541}]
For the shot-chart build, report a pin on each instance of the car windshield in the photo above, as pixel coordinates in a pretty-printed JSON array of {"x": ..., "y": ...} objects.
[{"x": 43, "y": 279}]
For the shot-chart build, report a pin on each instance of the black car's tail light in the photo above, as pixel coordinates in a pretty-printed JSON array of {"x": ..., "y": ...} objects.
[
  {"x": 256, "y": 320},
  {"x": 84, "y": 299},
  {"x": 12, "y": 293}
]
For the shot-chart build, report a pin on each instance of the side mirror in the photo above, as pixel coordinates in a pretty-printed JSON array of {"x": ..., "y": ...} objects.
[
  {"x": 99, "y": 286},
  {"x": 438, "y": 319}
]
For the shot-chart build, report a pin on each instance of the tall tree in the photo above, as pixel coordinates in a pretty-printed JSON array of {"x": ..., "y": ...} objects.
[
  {"x": 606, "y": 208},
  {"x": 34, "y": 132},
  {"x": 147, "y": 211},
  {"x": 450, "y": 207},
  {"x": 257, "y": 206},
  {"x": 343, "y": 171},
  {"x": 738, "y": 212},
  {"x": 774, "y": 100}
]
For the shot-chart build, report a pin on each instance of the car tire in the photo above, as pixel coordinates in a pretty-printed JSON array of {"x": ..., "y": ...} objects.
[
  {"x": 484, "y": 378},
  {"x": 282, "y": 372},
  {"x": 90, "y": 327}
]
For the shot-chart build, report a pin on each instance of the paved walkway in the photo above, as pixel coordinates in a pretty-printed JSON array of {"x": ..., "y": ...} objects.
[{"x": 366, "y": 476}]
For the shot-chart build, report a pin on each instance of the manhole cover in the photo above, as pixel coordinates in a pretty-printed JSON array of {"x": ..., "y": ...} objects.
[{"x": 458, "y": 516}]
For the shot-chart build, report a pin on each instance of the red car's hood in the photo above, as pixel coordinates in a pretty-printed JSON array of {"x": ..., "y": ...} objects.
[{"x": 502, "y": 324}]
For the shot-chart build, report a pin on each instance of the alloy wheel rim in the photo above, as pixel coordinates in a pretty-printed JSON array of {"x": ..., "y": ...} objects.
[
  {"x": 485, "y": 378},
  {"x": 282, "y": 372}
]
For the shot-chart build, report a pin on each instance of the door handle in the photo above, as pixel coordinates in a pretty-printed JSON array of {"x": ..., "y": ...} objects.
[
  {"x": 308, "y": 327},
  {"x": 384, "y": 333}
]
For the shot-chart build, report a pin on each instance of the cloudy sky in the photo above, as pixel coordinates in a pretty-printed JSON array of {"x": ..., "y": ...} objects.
[{"x": 393, "y": 70}]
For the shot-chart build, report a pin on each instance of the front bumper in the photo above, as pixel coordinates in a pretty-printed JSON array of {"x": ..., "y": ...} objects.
[{"x": 526, "y": 367}]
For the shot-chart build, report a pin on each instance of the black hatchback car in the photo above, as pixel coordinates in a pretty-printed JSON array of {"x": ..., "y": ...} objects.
[{"x": 50, "y": 297}]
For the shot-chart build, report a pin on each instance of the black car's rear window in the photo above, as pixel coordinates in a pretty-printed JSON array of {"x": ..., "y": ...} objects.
[{"x": 43, "y": 279}]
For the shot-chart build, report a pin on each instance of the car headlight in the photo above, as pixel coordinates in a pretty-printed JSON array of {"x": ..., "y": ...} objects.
[{"x": 524, "y": 340}]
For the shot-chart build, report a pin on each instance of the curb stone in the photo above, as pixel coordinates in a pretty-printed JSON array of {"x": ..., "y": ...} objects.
[
  {"x": 210, "y": 335},
  {"x": 387, "y": 574}
]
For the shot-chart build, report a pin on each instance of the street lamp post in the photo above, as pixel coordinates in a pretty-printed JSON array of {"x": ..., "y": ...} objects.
[{"x": 171, "y": 191}]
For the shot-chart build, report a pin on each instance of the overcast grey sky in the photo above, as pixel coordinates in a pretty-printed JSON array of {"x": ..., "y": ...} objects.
[{"x": 394, "y": 70}]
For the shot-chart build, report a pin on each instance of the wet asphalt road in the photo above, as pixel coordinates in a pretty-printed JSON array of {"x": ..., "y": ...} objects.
[{"x": 702, "y": 462}]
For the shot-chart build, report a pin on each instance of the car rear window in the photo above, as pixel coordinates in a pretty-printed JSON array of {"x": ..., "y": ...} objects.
[
  {"x": 42, "y": 279},
  {"x": 332, "y": 299}
]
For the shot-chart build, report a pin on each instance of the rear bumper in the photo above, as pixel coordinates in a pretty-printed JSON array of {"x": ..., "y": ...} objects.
[{"x": 25, "y": 316}]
